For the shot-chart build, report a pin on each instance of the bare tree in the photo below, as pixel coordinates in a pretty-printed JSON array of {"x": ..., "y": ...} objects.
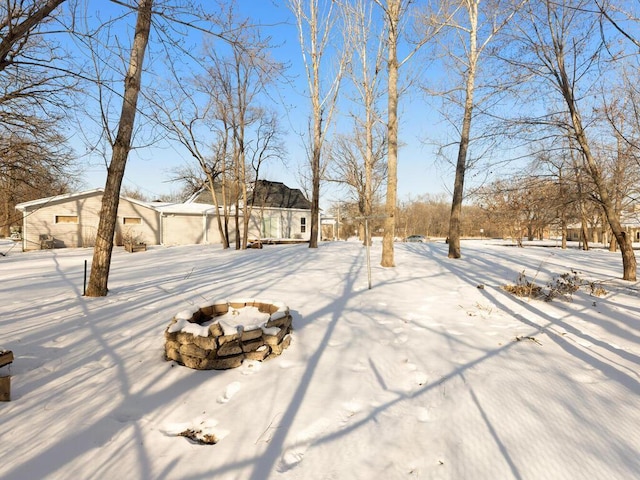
[
  {"x": 558, "y": 50},
  {"x": 394, "y": 12},
  {"x": 36, "y": 87},
  {"x": 32, "y": 168},
  {"x": 510, "y": 204},
  {"x": 425, "y": 215},
  {"x": 263, "y": 145},
  {"x": 315, "y": 21},
  {"x": 365, "y": 72},
  {"x": 204, "y": 131},
  {"x": 21, "y": 21},
  {"x": 475, "y": 38},
  {"x": 101, "y": 264},
  {"x": 556, "y": 165},
  {"x": 357, "y": 161}
]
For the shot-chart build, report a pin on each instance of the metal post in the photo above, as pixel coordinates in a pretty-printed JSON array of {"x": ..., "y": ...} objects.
[{"x": 84, "y": 288}]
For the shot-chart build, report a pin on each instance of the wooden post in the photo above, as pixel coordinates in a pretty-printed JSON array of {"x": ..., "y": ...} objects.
[
  {"x": 5, "y": 389},
  {"x": 6, "y": 357}
]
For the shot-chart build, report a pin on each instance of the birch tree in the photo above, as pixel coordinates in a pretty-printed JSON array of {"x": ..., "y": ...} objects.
[
  {"x": 315, "y": 20},
  {"x": 395, "y": 13},
  {"x": 364, "y": 36}
]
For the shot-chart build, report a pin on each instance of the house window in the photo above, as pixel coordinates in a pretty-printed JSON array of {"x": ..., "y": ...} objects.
[
  {"x": 132, "y": 221},
  {"x": 66, "y": 219},
  {"x": 303, "y": 225}
]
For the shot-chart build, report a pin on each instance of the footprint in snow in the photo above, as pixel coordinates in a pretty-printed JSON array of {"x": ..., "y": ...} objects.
[
  {"x": 286, "y": 364},
  {"x": 358, "y": 367},
  {"x": 229, "y": 392},
  {"x": 127, "y": 414},
  {"x": 586, "y": 376},
  {"x": 295, "y": 454},
  {"x": 350, "y": 409},
  {"x": 401, "y": 339},
  {"x": 423, "y": 415},
  {"x": 249, "y": 367},
  {"x": 454, "y": 332},
  {"x": 416, "y": 381},
  {"x": 420, "y": 378}
]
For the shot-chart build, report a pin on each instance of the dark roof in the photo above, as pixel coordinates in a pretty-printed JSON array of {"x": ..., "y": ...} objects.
[
  {"x": 278, "y": 195},
  {"x": 267, "y": 194}
]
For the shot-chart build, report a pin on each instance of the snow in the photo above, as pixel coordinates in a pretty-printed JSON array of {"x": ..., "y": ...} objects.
[
  {"x": 192, "y": 328},
  {"x": 434, "y": 373},
  {"x": 248, "y": 317},
  {"x": 232, "y": 322}
]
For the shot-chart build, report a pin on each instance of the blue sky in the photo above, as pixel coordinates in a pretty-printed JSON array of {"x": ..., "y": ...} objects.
[{"x": 149, "y": 168}]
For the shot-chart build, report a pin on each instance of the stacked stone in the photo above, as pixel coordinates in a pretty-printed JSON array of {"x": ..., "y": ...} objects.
[{"x": 221, "y": 351}]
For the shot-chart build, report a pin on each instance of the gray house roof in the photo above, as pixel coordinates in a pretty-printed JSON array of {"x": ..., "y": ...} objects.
[
  {"x": 264, "y": 194},
  {"x": 278, "y": 195}
]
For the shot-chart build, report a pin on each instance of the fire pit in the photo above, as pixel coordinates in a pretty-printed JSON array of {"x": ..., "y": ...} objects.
[{"x": 222, "y": 335}]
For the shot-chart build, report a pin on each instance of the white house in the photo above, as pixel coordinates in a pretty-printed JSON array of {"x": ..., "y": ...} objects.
[{"x": 72, "y": 220}]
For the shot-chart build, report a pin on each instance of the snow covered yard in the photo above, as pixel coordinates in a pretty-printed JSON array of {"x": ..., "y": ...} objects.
[{"x": 419, "y": 377}]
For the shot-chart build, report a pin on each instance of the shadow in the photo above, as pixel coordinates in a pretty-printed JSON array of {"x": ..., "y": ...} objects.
[
  {"x": 66, "y": 321},
  {"x": 544, "y": 322},
  {"x": 166, "y": 280},
  {"x": 335, "y": 309}
]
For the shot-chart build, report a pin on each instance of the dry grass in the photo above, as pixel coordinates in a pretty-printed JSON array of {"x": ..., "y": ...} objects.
[
  {"x": 198, "y": 437},
  {"x": 562, "y": 286}
]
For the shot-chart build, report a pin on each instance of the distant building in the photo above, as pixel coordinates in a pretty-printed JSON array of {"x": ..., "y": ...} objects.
[{"x": 278, "y": 213}]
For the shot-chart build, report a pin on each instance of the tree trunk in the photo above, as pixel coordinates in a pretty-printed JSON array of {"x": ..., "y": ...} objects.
[
  {"x": 392, "y": 132},
  {"x": 315, "y": 154},
  {"x": 317, "y": 130},
  {"x": 626, "y": 248},
  {"x": 465, "y": 134},
  {"x": 216, "y": 204},
  {"x": 368, "y": 165},
  {"x": 315, "y": 189},
  {"x": 108, "y": 213}
]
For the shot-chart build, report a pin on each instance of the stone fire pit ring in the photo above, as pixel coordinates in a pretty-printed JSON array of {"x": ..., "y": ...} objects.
[{"x": 222, "y": 335}]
